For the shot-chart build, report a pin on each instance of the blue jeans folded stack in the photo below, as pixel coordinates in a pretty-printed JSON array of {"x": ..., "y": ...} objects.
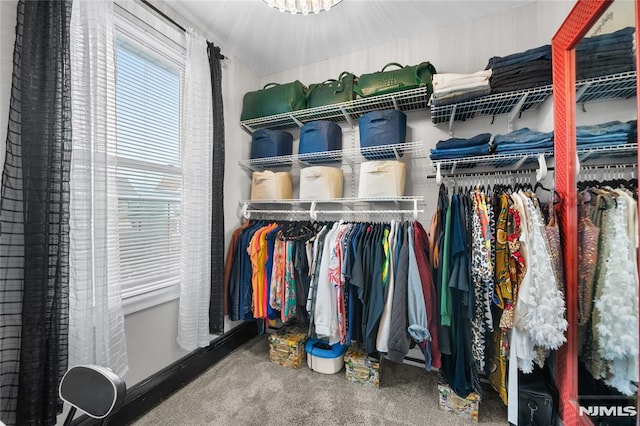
[
  {"x": 523, "y": 70},
  {"x": 605, "y": 135},
  {"x": 460, "y": 148},
  {"x": 523, "y": 140},
  {"x": 527, "y": 141},
  {"x": 606, "y": 54}
]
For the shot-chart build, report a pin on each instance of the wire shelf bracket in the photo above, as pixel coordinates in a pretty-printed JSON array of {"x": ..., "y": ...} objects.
[
  {"x": 347, "y": 117},
  {"x": 295, "y": 120},
  {"x": 520, "y": 162},
  {"x": 515, "y": 112},
  {"x": 395, "y": 103},
  {"x": 451, "y": 120}
]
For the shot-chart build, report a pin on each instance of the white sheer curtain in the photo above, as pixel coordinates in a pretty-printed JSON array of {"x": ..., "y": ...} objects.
[
  {"x": 96, "y": 320},
  {"x": 197, "y": 158}
]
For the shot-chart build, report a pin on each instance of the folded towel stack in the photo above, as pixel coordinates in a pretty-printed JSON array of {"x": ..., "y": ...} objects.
[{"x": 450, "y": 88}]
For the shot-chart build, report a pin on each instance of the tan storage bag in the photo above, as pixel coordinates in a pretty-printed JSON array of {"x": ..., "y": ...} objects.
[
  {"x": 268, "y": 185},
  {"x": 320, "y": 183},
  {"x": 381, "y": 179}
]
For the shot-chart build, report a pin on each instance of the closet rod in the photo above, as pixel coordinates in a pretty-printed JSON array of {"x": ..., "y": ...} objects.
[
  {"x": 609, "y": 166},
  {"x": 313, "y": 214},
  {"x": 335, "y": 211},
  {"x": 487, "y": 174},
  {"x": 167, "y": 18}
]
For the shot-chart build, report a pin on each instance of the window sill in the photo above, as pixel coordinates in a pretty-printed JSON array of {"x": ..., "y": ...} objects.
[{"x": 149, "y": 299}]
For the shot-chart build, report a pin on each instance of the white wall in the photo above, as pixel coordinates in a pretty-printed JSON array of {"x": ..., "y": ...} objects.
[{"x": 460, "y": 48}]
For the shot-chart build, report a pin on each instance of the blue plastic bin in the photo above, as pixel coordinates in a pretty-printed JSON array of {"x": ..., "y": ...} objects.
[
  {"x": 324, "y": 358},
  {"x": 320, "y": 136},
  {"x": 386, "y": 127},
  {"x": 270, "y": 143}
]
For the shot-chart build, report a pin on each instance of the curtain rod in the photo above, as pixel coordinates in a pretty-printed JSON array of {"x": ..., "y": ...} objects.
[{"x": 168, "y": 18}]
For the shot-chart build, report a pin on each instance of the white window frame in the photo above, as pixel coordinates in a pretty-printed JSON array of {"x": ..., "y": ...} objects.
[{"x": 137, "y": 24}]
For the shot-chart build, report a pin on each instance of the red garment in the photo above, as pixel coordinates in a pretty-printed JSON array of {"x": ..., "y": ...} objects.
[{"x": 421, "y": 248}]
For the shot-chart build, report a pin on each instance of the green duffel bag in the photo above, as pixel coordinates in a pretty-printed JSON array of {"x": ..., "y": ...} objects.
[
  {"x": 274, "y": 99},
  {"x": 332, "y": 91},
  {"x": 404, "y": 78}
]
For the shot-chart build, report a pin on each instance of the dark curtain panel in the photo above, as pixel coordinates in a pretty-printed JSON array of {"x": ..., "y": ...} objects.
[
  {"x": 34, "y": 218},
  {"x": 216, "y": 304}
]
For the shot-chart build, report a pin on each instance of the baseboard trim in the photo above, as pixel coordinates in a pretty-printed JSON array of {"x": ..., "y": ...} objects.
[{"x": 145, "y": 395}]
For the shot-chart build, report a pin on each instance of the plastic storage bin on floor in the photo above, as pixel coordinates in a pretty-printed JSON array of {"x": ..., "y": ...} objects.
[
  {"x": 270, "y": 185},
  {"x": 381, "y": 179},
  {"x": 270, "y": 143},
  {"x": 321, "y": 183},
  {"x": 324, "y": 358},
  {"x": 317, "y": 137},
  {"x": 387, "y": 127}
]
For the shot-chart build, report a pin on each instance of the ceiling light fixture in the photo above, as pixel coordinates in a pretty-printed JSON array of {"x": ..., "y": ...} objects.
[{"x": 302, "y": 7}]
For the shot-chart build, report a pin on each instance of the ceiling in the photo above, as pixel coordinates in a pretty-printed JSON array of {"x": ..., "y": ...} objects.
[{"x": 269, "y": 41}]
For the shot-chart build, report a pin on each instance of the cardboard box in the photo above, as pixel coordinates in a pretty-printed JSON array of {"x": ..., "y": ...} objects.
[
  {"x": 286, "y": 347},
  {"x": 362, "y": 368},
  {"x": 463, "y": 407}
]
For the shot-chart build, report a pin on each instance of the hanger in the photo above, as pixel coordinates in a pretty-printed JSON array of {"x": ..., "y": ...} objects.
[{"x": 555, "y": 197}]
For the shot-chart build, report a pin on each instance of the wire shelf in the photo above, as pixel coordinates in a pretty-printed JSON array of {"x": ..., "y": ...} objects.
[
  {"x": 616, "y": 86},
  {"x": 357, "y": 215},
  {"x": 358, "y": 207},
  {"x": 345, "y": 201},
  {"x": 524, "y": 161},
  {"x": 500, "y": 103},
  {"x": 605, "y": 155},
  {"x": 346, "y": 156},
  {"x": 494, "y": 161},
  {"x": 407, "y": 100}
]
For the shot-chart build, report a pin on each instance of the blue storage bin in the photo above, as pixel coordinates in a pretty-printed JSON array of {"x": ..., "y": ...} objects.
[
  {"x": 320, "y": 136},
  {"x": 270, "y": 143},
  {"x": 324, "y": 358},
  {"x": 386, "y": 127}
]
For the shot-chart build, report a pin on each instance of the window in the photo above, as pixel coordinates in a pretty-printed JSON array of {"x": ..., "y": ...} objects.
[{"x": 148, "y": 173}]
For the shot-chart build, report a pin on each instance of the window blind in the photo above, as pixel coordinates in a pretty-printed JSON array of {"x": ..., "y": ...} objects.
[{"x": 149, "y": 178}]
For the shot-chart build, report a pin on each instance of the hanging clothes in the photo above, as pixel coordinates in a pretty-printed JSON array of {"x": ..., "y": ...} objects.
[
  {"x": 368, "y": 283},
  {"x": 608, "y": 288},
  {"x": 501, "y": 304}
]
